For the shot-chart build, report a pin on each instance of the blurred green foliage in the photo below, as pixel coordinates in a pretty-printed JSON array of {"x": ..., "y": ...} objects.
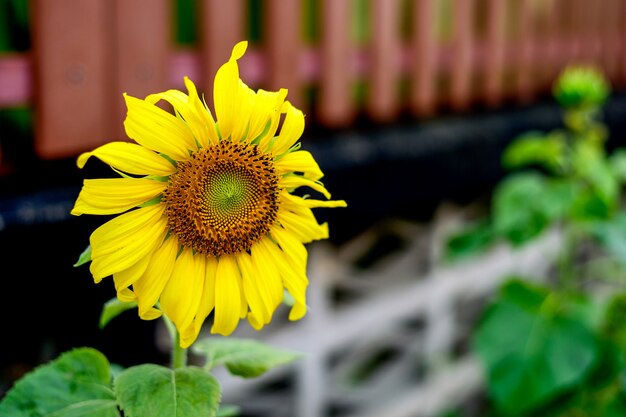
[{"x": 556, "y": 345}]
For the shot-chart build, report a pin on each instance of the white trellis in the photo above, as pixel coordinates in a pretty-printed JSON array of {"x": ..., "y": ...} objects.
[{"x": 409, "y": 312}]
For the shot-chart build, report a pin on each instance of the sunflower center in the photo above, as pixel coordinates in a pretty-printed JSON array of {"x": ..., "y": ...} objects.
[{"x": 222, "y": 199}]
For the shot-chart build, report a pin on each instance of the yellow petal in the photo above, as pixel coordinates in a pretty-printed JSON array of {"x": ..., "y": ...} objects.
[
  {"x": 151, "y": 314},
  {"x": 312, "y": 203},
  {"x": 292, "y": 129},
  {"x": 156, "y": 129},
  {"x": 207, "y": 303},
  {"x": 297, "y": 311},
  {"x": 261, "y": 304},
  {"x": 265, "y": 114},
  {"x": 267, "y": 275},
  {"x": 115, "y": 195},
  {"x": 203, "y": 112},
  {"x": 126, "y": 295},
  {"x": 293, "y": 278},
  {"x": 227, "y": 296},
  {"x": 130, "y": 158},
  {"x": 245, "y": 98},
  {"x": 127, "y": 277},
  {"x": 291, "y": 182},
  {"x": 181, "y": 296},
  {"x": 230, "y": 97},
  {"x": 159, "y": 270},
  {"x": 193, "y": 112},
  {"x": 124, "y": 240},
  {"x": 300, "y": 161},
  {"x": 301, "y": 222},
  {"x": 294, "y": 250}
]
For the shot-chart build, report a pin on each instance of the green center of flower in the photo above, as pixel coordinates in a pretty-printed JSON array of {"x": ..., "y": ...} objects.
[{"x": 223, "y": 199}]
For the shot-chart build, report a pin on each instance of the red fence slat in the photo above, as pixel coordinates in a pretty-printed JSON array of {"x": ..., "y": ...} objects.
[
  {"x": 335, "y": 106},
  {"x": 462, "y": 68},
  {"x": 495, "y": 44},
  {"x": 283, "y": 47},
  {"x": 72, "y": 75},
  {"x": 423, "y": 99},
  {"x": 525, "y": 81},
  {"x": 142, "y": 48},
  {"x": 382, "y": 103}
]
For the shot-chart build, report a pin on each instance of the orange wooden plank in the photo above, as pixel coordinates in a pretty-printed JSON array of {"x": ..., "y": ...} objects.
[
  {"x": 494, "y": 61},
  {"x": 382, "y": 103},
  {"x": 283, "y": 48},
  {"x": 221, "y": 27},
  {"x": 335, "y": 106},
  {"x": 71, "y": 74},
  {"x": 461, "y": 71},
  {"x": 142, "y": 52},
  {"x": 424, "y": 62}
]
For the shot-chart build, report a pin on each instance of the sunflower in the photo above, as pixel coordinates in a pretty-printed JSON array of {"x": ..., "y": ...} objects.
[{"x": 207, "y": 219}]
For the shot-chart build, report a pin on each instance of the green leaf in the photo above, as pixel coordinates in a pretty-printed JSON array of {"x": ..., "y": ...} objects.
[
  {"x": 523, "y": 293},
  {"x": 471, "y": 241},
  {"x": 535, "y": 148},
  {"x": 76, "y": 384},
  {"x": 531, "y": 353},
  {"x": 614, "y": 325},
  {"x": 611, "y": 234},
  {"x": 592, "y": 166},
  {"x": 155, "y": 391},
  {"x": 114, "y": 308},
  {"x": 617, "y": 161},
  {"x": 228, "y": 411},
  {"x": 84, "y": 257},
  {"x": 242, "y": 357},
  {"x": 525, "y": 204}
]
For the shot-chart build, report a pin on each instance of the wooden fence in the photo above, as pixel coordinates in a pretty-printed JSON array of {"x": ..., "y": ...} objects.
[{"x": 382, "y": 59}]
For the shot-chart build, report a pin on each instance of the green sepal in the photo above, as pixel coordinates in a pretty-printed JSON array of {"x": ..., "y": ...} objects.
[
  {"x": 114, "y": 308},
  {"x": 84, "y": 257},
  {"x": 242, "y": 357},
  {"x": 76, "y": 384},
  {"x": 151, "y": 390}
]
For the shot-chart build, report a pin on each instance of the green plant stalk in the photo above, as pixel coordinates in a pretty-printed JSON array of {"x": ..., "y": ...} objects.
[{"x": 179, "y": 355}]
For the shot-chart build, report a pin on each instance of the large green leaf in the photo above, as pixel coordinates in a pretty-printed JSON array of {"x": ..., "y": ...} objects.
[
  {"x": 524, "y": 204},
  {"x": 76, "y": 384},
  {"x": 531, "y": 352},
  {"x": 242, "y": 357},
  {"x": 155, "y": 391}
]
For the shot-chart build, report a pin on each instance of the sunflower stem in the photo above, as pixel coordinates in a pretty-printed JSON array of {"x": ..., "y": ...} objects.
[{"x": 179, "y": 355}]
